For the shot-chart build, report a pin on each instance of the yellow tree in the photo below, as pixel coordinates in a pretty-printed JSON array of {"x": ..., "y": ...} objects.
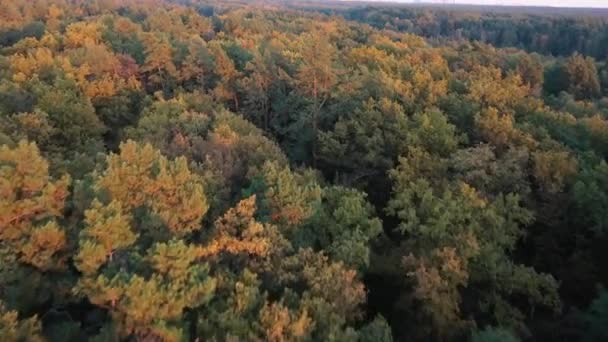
[
  {"x": 144, "y": 278},
  {"x": 499, "y": 129},
  {"x": 139, "y": 176},
  {"x": 30, "y": 201},
  {"x": 14, "y": 329},
  {"x": 489, "y": 88},
  {"x": 82, "y": 34},
  {"x": 158, "y": 65},
  {"x": 554, "y": 169},
  {"x": 228, "y": 74},
  {"x": 237, "y": 232}
]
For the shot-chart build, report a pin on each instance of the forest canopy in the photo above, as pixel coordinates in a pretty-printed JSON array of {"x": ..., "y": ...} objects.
[{"x": 265, "y": 171}]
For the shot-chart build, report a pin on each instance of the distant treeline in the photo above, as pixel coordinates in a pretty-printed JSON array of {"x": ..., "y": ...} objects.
[{"x": 557, "y": 34}]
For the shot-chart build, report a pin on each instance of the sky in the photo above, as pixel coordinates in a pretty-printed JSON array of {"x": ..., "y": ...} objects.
[{"x": 554, "y": 3}]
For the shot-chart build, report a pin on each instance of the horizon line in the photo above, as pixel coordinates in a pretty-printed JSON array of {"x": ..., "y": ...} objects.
[{"x": 467, "y": 3}]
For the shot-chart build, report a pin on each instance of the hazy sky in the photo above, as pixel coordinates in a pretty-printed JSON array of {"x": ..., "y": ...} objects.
[{"x": 556, "y": 3}]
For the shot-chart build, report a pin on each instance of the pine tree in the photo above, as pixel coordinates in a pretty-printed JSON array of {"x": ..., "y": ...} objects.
[{"x": 30, "y": 205}]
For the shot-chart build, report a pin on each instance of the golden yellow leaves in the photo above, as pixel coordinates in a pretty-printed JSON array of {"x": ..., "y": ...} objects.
[
  {"x": 25, "y": 186},
  {"x": 172, "y": 259},
  {"x": 24, "y": 66},
  {"x": 280, "y": 324},
  {"x": 91, "y": 256},
  {"x": 499, "y": 130},
  {"x": 141, "y": 176},
  {"x": 372, "y": 58},
  {"x": 554, "y": 169},
  {"x": 82, "y": 34},
  {"x": 13, "y": 329},
  {"x": 107, "y": 229},
  {"x": 42, "y": 244},
  {"x": 54, "y": 15},
  {"x": 84, "y": 58},
  {"x": 29, "y": 201},
  {"x": 488, "y": 88},
  {"x": 159, "y": 58},
  {"x": 237, "y": 232},
  {"x": 224, "y": 135}
]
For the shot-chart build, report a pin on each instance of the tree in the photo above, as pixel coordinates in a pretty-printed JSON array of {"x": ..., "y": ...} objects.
[
  {"x": 583, "y": 80},
  {"x": 367, "y": 140},
  {"x": 13, "y": 329},
  {"x": 491, "y": 172},
  {"x": 133, "y": 261},
  {"x": 71, "y": 114},
  {"x": 288, "y": 198},
  {"x": 432, "y": 132},
  {"x": 589, "y": 197},
  {"x": 267, "y": 77},
  {"x": 499, "y": 129},
  {"x": 603, "y": 77},
  {"x": 530, "y": 69},
  {"x": 344, "y": 227},
  {"x": 158, "y": 64},
  {"x": 489, "y": 88},
  {"x": 34, "y": 244},
  {"x": 556, "y": 78},
  {"x": 141, "y": 177},
  {"x": 494, "y": 335},
  {"x": 226, "y": 87},
  {"x": 31, "y": 202},
  {"x": 457, "y": 238},
  {"x": 315, "y": 77},
  {"x": 596, "y": 319},
  {"x": 553, "y": 170},
  {"x": 197, "y": 65},
  {"x": 82, "y": 34}
]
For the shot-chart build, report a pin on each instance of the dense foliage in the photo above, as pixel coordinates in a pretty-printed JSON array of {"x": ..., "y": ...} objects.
[
  {"x": 217, "y": 171},
  {"x": 542, "y": 30}
]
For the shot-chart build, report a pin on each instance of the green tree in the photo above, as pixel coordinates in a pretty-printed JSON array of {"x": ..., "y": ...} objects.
[
  {"x": 458, "y": 239},
  {"x": 316, "y": 77},
  {"x": 590, "y": 198},
  {"x": 366, "y": 141},
  {"x": 343, "y": 227},
  {"x": 494, "y": 335},
  {"x": 70, "y": 113},
  {"x": 596, "y": 319}
]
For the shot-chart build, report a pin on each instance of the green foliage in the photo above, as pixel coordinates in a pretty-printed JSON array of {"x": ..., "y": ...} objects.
[
  {"x": 590, "y": 198},
  {"x": 378, "y": 330},
  {"x": 288, "y": 198},
  {"x": 343, "y": 227},
  {"x": 70, "y": 113},
  {"x": 369, "y": 139},
  {"x": 494, "y": 335},
  {"x": 432, "y": 132},
  {"x": 456, "y": 238},
  {"x": 596, "y": 319}
]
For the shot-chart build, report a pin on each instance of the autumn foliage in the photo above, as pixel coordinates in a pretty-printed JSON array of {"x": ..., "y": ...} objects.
[{"x": 301, "y": 171}]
